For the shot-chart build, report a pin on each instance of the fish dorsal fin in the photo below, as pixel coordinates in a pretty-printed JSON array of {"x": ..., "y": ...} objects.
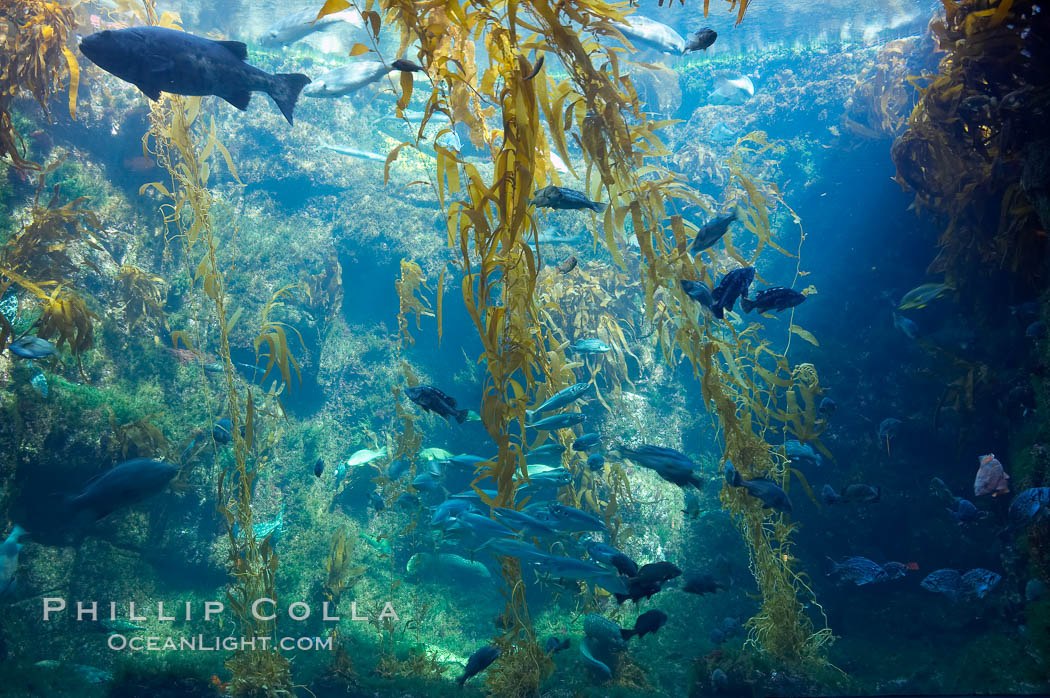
[{"x": 237, "y": 48}]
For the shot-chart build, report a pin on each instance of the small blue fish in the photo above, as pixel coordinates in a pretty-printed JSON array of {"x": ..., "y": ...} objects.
[
  {"x": 601, "y": 552},
  {"x": 1028, "y": 505},
  {"x": 965, "y": 512},
  {"x": 570, "y": 519},
  {"x": 479, "y": 662},
  {"x": 449, "y": 510},
  {"x": 770, "y": 493},
  {"x": 319, "y": 467},
  {"x": 564, "y": 420},
  {"x": 376, "y": 500},
  {"x": 711, "y": 233},
  {"x": 858, "y": 570},
  {"x": 699, "y": 292},
  {"x": 827, "y": 408},
  {"x": 427, "y": 480},
  {"x": 563, "y": 397},
  {"x": 732, "y": 286},
  {"x": 398, "y": 468},
  {"x": 943, "y": 581},
  {"x": 978, "y": 582},
  {"x": 798, "y": 452},
  {"x": 595, "y": 462},
  {"x": 776, "y": 298},
  {"x": 586, "y": 442},
  {"x": 545, "y": 451},
  {"x": 591, "y": 346},
  {"x": 222, "y": 432},
  {"x": 32, "y": 348}
]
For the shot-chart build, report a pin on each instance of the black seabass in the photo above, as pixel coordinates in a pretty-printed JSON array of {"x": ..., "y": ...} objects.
[{"x": 156, "y": 60}]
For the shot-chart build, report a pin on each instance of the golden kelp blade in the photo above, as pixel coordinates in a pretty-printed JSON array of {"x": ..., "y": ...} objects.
[{"x": 331, "y": 7}]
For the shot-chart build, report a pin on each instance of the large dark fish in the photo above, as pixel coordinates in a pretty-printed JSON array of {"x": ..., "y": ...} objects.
[
  {"x": 121, "y": 486},
  {"x": 433, "y": 400},
  {"x": 770, "y": 493},
  {"x": 479, "y": 662},
  {"x": 711, "y": 233},
  {"x": 568, "y": 265},
  {"x": 648, "y": 622},
  {"x": 699, "y": 292},
  {"x": 732, "y": 286},
  {"x": 701, "y": 583},
  {"x": 775, "y": 298},
  {"x": 671, "y": 465},
  {"x": 701, "y": 40},
  {"x": 156, "y": 59},
  {"x": 564, "y": 198}
]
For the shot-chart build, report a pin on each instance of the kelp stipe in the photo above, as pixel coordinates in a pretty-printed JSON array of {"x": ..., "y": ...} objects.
[{"x": 187, "y": 213}]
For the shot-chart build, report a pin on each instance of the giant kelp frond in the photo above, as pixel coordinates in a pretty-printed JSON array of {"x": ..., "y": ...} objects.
[
  {"x": 67, "y": 319},
  {"x": 340, "y": 575},
  {"x": 142, "y": 292},
  {"x": 410, "y": 297},
  {"x": 968, "y": 142},
  {"x": 140, "y": 438},
  {"x": 882, "y": 101},
  {"x": 42, "y": 257},
  {"x": 44, "y": 247},
  {"x": 597, "y": 301},
  {"x": 35, "y": 60},
  {"x": 272, "y": 334}
]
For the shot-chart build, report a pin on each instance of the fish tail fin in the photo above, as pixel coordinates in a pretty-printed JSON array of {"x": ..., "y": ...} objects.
[
  {"x": 718, "y": 311},
  {"x": 285, "y": 91},
  {"x": 832, "y": 566},
  {"x": 461, "y": 415},
  {"x": 530, "y": 416},
  {"x": 462, "y": 679},
  {"x": 598, "y": 206},
  {"x": 406, "y": 66},
  {"x": 732, "y": 476},
  {"x": 878, "y": 493},
  {"x": 746, "y": 304},
  {"x": 626, "y": 633},
  {"x": 16, "y": 532},
  {"x": 620, "y": 598}
]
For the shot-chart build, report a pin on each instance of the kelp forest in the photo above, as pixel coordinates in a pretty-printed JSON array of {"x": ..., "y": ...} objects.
[{"x": 557, "y": 354}]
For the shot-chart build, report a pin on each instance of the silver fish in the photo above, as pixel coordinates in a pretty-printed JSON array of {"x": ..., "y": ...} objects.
[{"x": 298, "y": 25}]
